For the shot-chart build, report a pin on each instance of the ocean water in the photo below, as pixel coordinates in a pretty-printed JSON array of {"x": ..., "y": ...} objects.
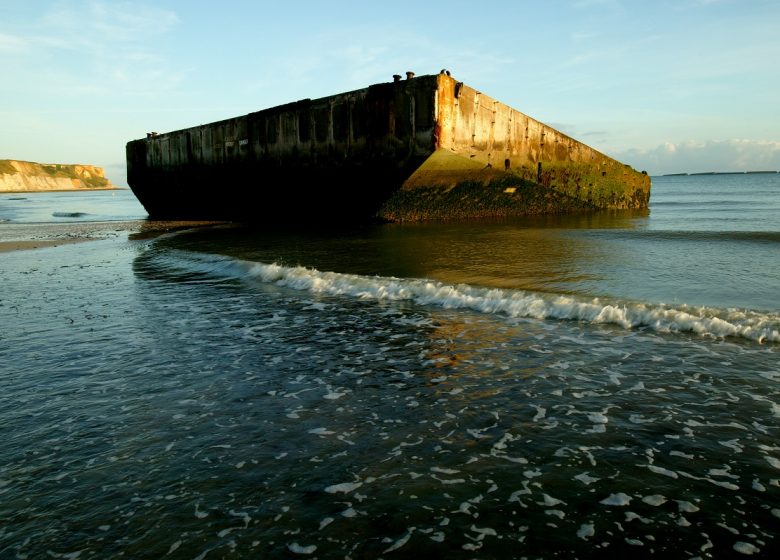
[
  {"x": 586, "y": 386},
  {"x": 69, "y": 207}
]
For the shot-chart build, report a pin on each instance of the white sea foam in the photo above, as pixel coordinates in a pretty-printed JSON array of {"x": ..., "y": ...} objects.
[
  {"x": 687, "y": 507},
  {"x": 586, "y": 479},
  {"x": 400, "y": 542},
  {"x": 704, "y": 321},
  {"x": 441, "y": 470},
  {"x": 654, "y": 500},
  {"x": 295, "y": 548},
  {"x": 746, "y": 548},
  {"x": 200, "y": 514},
  {"x": 484, "y": 532},
  {"x": 773, "y": 461},
  {"x": 675, "y": 453},
  {"x": 722, "y": 484},
  {"x": 349, "y": 512},
  {"x": 549, "y": 501},
  {"x": 597, "y": 417},
  {"x": 321, "y": 431},
  {"x": 344, "y": 487},
  {"x": 619, "y": 499},
  {"x": 663, "y": 471},
  {"x": 585, "y": 531}
]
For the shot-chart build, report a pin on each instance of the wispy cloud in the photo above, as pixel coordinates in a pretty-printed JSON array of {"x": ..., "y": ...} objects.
[
  {"x": 83, "y": 48},
  {"x": 93, "y": 22}
]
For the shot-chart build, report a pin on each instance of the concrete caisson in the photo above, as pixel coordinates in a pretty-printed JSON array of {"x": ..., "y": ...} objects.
[{"x": 427, "y": 147}]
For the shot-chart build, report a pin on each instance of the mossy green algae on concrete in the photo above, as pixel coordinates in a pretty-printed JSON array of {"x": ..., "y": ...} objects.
[{"x": 502, "y": 197}]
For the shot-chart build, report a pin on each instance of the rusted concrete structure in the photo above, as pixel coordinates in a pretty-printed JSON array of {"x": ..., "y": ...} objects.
[{"x": 421, "y": 148}]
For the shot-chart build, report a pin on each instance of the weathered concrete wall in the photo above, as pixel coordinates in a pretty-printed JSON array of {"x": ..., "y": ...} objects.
[
  {"x": 345, "y": 153},
  {"x": 491, "y": 159},
  {"x": 427, "y": 147},
  {"x": 28, "y": 176}
]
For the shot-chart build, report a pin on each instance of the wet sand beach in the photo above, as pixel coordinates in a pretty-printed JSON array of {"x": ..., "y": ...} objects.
[{"x": 25, "y": 236}]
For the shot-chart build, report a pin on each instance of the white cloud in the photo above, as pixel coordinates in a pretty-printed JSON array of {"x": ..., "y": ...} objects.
[{"x": 713, "y": 155}]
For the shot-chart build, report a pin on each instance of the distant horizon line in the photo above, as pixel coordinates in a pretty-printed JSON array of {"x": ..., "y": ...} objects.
[{"x": 718, "y": 173}]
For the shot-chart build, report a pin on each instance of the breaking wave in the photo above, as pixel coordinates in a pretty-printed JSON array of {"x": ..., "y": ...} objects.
[{"x": 662, "y": 318}]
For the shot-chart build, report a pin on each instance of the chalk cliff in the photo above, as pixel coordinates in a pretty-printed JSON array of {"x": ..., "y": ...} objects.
[{"x": 26, "y": 176}]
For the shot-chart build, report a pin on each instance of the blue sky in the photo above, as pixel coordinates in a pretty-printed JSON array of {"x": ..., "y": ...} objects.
[{"x": 666, "y": 86}]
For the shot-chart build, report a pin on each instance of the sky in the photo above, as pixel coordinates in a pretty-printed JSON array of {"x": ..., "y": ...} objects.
[{"x": 667, "y": 86}]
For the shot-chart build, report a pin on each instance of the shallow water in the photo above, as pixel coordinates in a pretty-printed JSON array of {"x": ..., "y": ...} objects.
[
  {"x": 438, "y": 391},
  {"x": 70, "y": 206}
]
